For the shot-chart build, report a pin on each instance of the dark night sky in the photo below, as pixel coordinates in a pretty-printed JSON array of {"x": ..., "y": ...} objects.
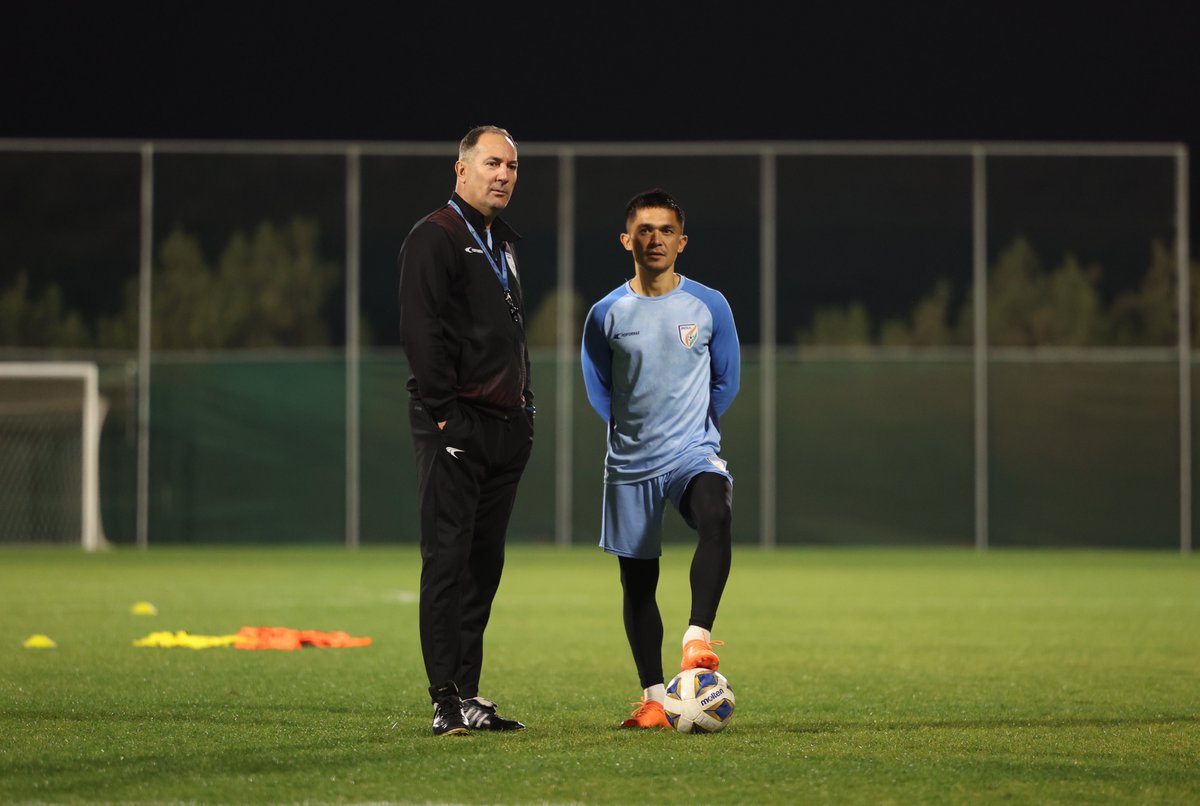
[
  {"x": 369, "y": 71},
  {"x": 373, "y": 71}
]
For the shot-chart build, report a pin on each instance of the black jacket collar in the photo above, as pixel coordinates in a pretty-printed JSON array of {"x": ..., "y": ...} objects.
[{"x": 500, "y": 229}]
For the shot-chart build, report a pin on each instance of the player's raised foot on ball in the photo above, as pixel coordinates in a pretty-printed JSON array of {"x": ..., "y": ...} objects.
[
  {"x": 481, "y": 715},
  {"x": 649, "y": 714},
  {"x": 698, "y": 654},
  {"x": 448, "y": 717}
]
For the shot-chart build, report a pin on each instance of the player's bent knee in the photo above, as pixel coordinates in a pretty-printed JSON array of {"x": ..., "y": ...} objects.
[
  {"x": 711, "y": 502},
  {"x": 719, "y": 522}
]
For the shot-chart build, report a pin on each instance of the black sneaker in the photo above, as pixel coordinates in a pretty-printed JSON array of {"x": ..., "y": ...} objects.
[
  {"x": 448, "y": 718},
  {"x": 481, "y": 715}
]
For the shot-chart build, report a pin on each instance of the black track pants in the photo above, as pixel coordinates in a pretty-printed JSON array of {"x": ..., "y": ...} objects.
[{"x": 467, "y": 477}]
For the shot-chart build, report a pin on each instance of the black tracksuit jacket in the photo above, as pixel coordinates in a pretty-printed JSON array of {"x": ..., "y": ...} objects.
[{"x": 457, "y": 330}]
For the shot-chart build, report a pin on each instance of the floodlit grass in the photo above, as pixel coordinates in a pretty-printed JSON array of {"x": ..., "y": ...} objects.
[{"x": 909, "y": 676}]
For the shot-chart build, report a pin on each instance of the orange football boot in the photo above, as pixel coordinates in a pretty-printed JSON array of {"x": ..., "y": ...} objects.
[
  {"x": 698, "y": 654},
  {"x": 649, "y": 714}
]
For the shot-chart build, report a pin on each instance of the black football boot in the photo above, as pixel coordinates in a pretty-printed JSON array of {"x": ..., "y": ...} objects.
[
  {"x": 481, "y": 715},
  {"x": 448, "y": 719}
]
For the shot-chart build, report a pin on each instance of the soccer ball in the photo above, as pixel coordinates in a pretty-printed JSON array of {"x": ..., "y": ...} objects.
[{"x": 699, "y": 701}]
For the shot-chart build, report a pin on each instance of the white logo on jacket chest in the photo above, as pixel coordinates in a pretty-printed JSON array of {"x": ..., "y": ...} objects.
[{"x": 688, "y": 334}]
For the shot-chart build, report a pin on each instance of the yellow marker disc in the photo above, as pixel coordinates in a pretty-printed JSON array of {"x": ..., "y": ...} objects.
[{"x": 39, "y": 642}]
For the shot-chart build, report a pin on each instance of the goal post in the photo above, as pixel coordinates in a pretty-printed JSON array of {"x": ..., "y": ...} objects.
[{"x": 50, "y": 417}]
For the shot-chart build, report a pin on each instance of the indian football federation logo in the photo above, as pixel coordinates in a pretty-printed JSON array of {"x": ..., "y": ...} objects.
[{"x": 688, "y": 334}]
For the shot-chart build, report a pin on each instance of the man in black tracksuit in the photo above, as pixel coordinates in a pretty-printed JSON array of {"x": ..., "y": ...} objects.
[{"x": 471, "y": 411}]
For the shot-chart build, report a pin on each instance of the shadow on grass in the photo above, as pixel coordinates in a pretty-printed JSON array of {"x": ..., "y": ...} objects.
[
  {"x": 198, "y": 743},
  {"x": 991, "y": 724},
  {"x": 208, "y": 712}
]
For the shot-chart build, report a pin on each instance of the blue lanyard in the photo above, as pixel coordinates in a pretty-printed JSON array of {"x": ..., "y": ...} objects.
[{"x": 501, "y": 272}]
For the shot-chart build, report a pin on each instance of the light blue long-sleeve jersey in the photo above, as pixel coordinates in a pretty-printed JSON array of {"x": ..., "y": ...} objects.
[{"x": 661, "y": 370}]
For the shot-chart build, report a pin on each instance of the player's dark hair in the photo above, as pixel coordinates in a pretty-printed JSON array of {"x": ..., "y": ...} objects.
[
  {"x": 656, "y": 197},
  {"x": 472, "y": 138}
]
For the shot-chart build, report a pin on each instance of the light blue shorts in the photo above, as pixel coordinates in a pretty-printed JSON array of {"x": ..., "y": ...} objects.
[{"x": 632, "y": 519}]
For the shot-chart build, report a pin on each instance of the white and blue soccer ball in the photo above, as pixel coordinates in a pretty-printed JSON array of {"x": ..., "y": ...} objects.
[{"x": 699, "y": 701}]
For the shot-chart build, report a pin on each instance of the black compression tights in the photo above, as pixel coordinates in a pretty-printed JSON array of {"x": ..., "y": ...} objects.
[
  {"x": 708, "y": 502},
  {"x": 643, "y": 624}
]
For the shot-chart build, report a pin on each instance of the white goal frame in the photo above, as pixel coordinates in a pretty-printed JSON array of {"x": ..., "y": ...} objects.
[{"x": 90, "y": 535}]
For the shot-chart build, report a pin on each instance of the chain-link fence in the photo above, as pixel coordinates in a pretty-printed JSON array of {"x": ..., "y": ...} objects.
[{"x": 950, "y": 343}]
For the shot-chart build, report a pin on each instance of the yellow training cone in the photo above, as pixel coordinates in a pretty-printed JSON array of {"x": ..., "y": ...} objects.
[
  {"x": 143, "y": 609},
  {"x": 39, "y": 642}
]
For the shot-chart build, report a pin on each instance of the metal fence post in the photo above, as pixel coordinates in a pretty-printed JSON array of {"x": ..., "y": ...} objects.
[
  {"x": 1182, "y": 264},
  {"x": 768, "y": 223},
  {"x": 567, "y": 339},
  {"x": 353, "y": 352},
  {"x": 979, "y": 239},
  {"x": 145, "y": 290}
]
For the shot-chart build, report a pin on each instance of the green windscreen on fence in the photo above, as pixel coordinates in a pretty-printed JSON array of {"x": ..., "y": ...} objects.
[{"x": 868, "y": 453}]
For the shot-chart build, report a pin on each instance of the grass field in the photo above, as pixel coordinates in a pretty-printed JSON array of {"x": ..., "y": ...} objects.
[{"x": 905, "y": 676}]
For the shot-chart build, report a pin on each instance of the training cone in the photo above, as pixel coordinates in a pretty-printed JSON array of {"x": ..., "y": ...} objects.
[
  {"x": 143, "y": 609},
  {"x": 39, "y": 642}
]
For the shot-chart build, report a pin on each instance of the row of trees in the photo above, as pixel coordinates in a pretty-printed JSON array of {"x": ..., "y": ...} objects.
[
  {"x": 271, "y": 288},
  {"x": 266, "y": 289},
  {"x": 1028, "y": 306}
]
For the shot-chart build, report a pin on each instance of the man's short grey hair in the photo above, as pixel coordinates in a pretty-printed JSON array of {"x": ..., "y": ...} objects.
[{"x": 472, "y": 138}]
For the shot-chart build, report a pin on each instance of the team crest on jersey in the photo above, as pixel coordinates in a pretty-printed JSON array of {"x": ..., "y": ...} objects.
[
  {"x": 688, "y": 334},
  {"x": 717, "y": 462}
]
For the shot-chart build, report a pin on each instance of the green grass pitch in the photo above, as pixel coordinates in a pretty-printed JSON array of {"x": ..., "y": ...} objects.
[{"x": 862, "y": 676}]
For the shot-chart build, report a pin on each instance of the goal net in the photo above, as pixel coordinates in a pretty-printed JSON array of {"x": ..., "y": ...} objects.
[{"x": 50, "y": 415}]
